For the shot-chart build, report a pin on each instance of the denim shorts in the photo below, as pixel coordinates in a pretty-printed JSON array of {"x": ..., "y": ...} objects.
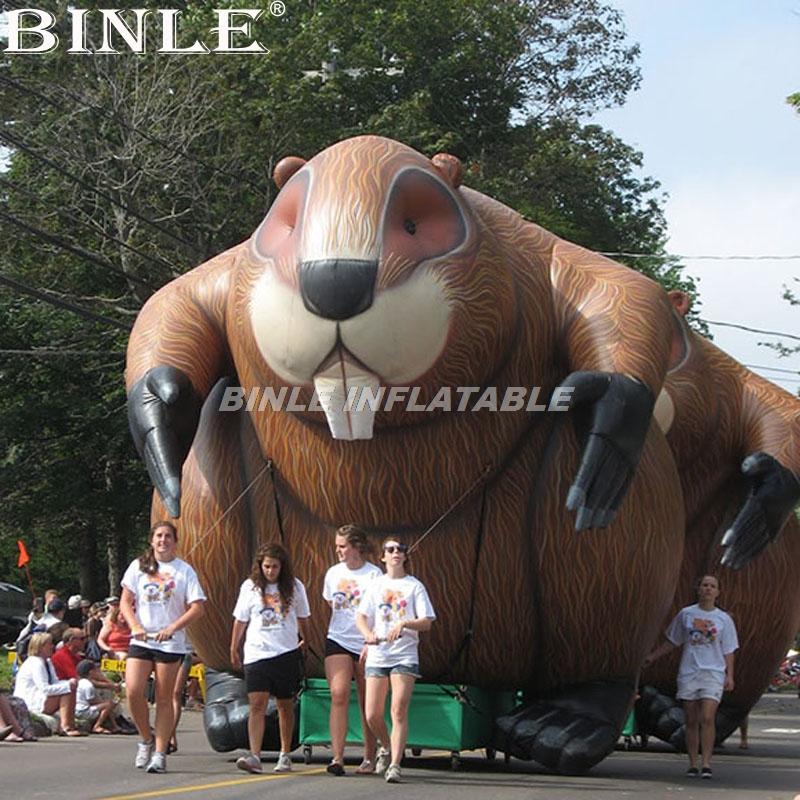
[{"x": 398, "y": 669}]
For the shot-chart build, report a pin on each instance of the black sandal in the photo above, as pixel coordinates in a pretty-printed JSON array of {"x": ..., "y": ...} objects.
[
  {"x": 692, "y": 772},
  {"x": 335, "y": 768},
  {"x": 706, "y": 772}
]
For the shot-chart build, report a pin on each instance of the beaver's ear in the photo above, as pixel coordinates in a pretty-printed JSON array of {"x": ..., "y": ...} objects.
[
  {"x": 285, "y": 168},
  {"x": 449, "y": 167},
  {"x": 681, "y": 302}
]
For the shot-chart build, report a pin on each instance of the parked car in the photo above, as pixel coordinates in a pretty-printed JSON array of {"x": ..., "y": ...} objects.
[{"x": 15, "y": 605}]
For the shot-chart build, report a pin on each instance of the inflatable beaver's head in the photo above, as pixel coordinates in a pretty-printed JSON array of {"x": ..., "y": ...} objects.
[{"x": 371, "y": 270}]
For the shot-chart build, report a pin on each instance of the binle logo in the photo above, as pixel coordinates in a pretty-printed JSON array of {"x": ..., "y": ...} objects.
[{"x": 31, "y": 30}]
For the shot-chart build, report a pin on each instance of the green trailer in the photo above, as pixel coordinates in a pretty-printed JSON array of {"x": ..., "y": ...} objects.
[{"x": 440, "y": 717}]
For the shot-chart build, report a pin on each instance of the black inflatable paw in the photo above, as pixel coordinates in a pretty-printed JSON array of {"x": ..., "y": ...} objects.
[
  {"x": 570, "y": 731},
  {"x": 226, "y": 713},
  {"x": 661, "y": 716}
]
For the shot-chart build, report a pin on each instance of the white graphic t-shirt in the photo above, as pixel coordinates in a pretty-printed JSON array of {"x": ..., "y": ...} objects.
[
  {"x": 84, "y": 695},
  {"x": 271, "y": 628},
  {"x": 386, "y": 602},
  {"x": 707, "y": 637},
  {"x": 344, "y": 589},
  {"x": 163, "y": 598}
]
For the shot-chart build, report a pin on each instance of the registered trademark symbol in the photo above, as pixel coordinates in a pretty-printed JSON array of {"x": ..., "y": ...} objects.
[{"x": 277, "y": 8}]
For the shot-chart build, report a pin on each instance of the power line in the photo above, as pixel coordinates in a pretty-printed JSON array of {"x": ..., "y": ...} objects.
[
  {"x": 21, "y": 87},
  {"x": 104, "y": 234},
  {"x": 54, "y": 301},
  {"x": 18, "y": 143},
  {"x": 665, "y": 256},
  {"x": 74, "y": 249},
  {"x": 750, "y": 330},
  {"x": 773, "y": 369}
]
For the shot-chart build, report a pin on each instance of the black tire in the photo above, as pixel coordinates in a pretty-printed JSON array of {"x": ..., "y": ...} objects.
[
  {"x": 307, "y": 751},
  {"x": 416, "y": 752}
]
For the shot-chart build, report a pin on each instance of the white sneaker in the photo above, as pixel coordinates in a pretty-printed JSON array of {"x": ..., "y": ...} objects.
[
  {"x": 249, "y": 763},
  {"x": 284, "y": 763},
  {"x": 144, "y": 751},
  {"x": 382, "y": 762},
  {"x": 393, "y": 774},
  {"x": 158, "y": 763}
]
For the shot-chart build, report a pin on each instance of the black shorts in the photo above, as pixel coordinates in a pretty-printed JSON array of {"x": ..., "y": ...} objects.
[
  {"x": 335, "y": 649},
  {"x": 279, "y": 676},
  {"x": 150, "y": 654}
]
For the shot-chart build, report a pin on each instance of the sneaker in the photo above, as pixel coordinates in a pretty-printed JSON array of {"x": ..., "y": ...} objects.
[
  {"x": 249, "y": 763},
  {"x": 335, "y": 768},
  {"x": 706, "y": 773},
  {"x": 158, "y": 763},
  {"x": 393, "y": 774},
  {"x": 382, "y": 762},
  {"x": 144, "y": 751},
  {"x": 284, "y": 763}
]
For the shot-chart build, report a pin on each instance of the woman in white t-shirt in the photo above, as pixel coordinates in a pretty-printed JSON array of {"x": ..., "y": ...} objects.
[
  {"x": 161, "y": 595},
  {"x": 708, "y": 637},
  {"x": 395, "y": 608},
  {"x": 344, "y": 586},
  {"x": 270, "y": 616}
]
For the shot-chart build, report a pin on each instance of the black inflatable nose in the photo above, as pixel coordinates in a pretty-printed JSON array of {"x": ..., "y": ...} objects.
[{"x": 337, "y": 288}]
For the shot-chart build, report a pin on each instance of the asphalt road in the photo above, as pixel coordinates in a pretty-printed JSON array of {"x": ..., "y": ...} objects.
[{"x": 102, "y": 767}]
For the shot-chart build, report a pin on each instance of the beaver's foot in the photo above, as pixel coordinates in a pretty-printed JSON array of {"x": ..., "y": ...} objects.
[
  {"x": 571, "y": 730},
  {"x": 662, "y": 716},
  {"x": 227, "y": 710}
]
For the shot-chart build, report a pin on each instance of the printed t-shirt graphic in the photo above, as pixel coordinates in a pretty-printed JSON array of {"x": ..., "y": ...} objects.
[
  {"x": 271, "y": 627},
  {"x": 344, "y": 589}
]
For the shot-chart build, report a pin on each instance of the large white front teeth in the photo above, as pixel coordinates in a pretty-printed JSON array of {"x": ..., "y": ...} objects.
[{"x": 342, "y": 389}]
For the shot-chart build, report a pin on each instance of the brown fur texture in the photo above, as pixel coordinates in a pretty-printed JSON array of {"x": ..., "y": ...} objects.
[
  {"x": 551, "y": 607},
  {"x": 724, "y": 412}
]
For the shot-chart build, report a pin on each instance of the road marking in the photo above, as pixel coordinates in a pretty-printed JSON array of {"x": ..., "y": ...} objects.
[
  {"x": 781, "y": 730},
  {"x": 219, "y": 785}
]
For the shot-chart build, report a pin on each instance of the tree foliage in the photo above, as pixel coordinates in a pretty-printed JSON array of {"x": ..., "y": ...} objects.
[{"x": 150, "y": 164}]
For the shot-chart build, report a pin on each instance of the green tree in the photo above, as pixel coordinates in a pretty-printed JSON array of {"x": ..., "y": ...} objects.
[{"x": 151, "y": 164}]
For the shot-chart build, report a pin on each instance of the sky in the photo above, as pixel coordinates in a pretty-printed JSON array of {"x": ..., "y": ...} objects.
[{"x": 712, "y": 121}]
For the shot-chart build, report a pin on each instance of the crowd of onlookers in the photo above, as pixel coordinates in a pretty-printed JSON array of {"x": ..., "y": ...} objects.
[{"x": 58, "y": 680}]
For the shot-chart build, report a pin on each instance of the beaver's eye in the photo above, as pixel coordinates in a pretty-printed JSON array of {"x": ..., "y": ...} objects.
[{"x": 410, "y": 227}]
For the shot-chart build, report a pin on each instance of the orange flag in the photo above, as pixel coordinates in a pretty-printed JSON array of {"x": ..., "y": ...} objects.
[{"x": 24, "y": 558}]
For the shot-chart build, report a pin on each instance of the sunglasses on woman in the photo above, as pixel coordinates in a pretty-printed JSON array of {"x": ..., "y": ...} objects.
[{"x": 396, "y": 548}]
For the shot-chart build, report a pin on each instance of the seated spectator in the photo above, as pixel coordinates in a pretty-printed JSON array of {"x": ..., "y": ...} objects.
[
  {"x": 73, "y": 616},
  {"x": 95, "y": 620},
  {"x": 56, "y": 633},
  {"x": 54, "y": 613},
  {"x": 115, "y": 635},
  {"x": 89, "y": 706},
  {"x": 66, "y": 658},
  {"x": 37, "y": 611},
  {"x": 15, "y": 731},
  {"x": 41, "y": 690}
]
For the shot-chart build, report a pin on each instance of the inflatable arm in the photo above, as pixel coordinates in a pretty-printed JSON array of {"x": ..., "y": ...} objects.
[
  {"x": 615, "y": 325},
  {"x": 176, "y": 353},
  {"x": 771, "y": 439}
]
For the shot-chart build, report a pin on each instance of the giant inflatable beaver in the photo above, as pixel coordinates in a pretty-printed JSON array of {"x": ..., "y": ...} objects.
[
  {"x": 376, "y": 268},
  {"x": 736, "y": 440}
]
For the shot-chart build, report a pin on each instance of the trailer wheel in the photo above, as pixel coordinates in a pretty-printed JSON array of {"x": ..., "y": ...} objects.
[
  {"x": 307, "y": 753},
  {"x": 416, "y": 752}
]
